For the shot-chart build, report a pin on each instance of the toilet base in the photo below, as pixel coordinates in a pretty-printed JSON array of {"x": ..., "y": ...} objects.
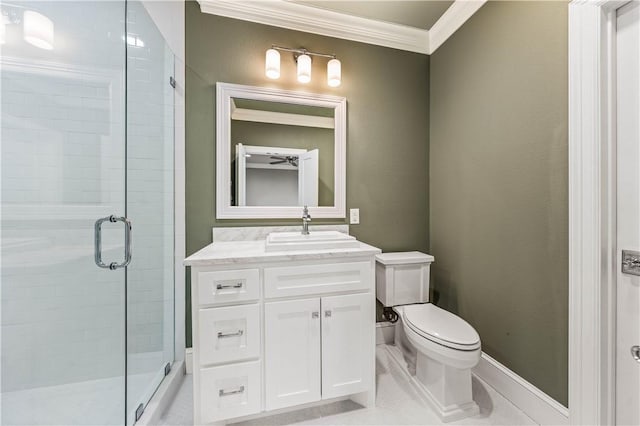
[
  {"x": 447, "y": 413},
  {"x": 447, "y": 389}
]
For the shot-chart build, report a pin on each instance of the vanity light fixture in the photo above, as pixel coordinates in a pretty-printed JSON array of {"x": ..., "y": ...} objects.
[
  {"x": 334, "y": 73},
  {"x": 303, "y": 59},
  {"x": 272, "y": 64},
  {"x": 304, "y": 68}
]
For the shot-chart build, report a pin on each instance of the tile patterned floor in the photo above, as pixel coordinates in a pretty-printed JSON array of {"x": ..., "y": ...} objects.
[{"x": 397, "y": 403}]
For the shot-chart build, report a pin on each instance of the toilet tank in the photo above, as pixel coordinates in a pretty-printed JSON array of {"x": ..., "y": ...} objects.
[{"x": 402, "y": 278}]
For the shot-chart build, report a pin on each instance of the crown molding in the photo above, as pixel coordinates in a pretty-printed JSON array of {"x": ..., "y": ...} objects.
[
  {"x": 452, "y": 19},
  {"x": 299, "y": 17},
  {"x": 324, "y": 22}
]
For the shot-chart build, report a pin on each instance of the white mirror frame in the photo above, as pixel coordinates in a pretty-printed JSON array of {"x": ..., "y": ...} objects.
[{"x": 224, "y": 210}]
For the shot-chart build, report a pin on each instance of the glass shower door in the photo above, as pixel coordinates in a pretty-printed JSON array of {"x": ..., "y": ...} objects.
[
  {"x": 150, "y": 277},
  {"x": 62, "y": 168},
  {"x": 86, "y": 125}
]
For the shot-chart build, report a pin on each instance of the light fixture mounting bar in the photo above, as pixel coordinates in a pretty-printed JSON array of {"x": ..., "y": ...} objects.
[{"x": 303, "y": 51}]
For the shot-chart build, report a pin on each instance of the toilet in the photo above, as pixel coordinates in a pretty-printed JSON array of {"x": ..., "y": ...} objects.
[{"x": 438, "y": 347}]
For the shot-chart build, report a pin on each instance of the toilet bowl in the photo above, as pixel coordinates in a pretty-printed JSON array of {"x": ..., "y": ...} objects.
[
  {"x": 439, "y": 347},
  {"x": 441, "y": 335}
]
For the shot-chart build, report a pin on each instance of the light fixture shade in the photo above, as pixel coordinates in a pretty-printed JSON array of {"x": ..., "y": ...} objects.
[
  {"x": 272, "y": 64},
  {"x": 304, "y": 68},
  {"x": 334, "y": 73},
  {"x": 38, "y": 30}
]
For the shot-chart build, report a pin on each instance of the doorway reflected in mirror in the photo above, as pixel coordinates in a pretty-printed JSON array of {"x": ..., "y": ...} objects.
[
  {"x": 275, "y": 176},
  {"x": 283, "y": 154}
]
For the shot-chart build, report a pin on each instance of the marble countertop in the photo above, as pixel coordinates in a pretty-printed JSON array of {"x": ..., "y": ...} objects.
[{"x": 230, "y": 252}]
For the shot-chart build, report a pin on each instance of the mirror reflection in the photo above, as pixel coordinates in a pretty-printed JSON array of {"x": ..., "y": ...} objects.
[{"x": 281, "y": 154}]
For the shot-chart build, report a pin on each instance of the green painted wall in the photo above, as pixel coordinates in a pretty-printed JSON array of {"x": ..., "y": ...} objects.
[
  {"x": 498, "y": 185},
  {"x": 387, "y": 95}
]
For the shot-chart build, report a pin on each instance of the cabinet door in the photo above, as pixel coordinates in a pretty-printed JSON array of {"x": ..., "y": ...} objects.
[
  {"x": 348, "y": 344},
  {"x": 292, "y": 352}
]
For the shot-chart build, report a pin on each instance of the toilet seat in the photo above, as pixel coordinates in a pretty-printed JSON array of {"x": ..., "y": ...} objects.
[{"x": 441, "y": 327}]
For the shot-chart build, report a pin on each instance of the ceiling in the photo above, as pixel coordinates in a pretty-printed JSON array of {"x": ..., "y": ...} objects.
[{"x": 415, "y": 13}]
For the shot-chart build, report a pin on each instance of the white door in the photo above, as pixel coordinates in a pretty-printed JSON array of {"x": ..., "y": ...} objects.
[
  {"x": 348, "y": 344},
  {"x": 241, "y": 176},
  {"x": 308, "y": 178},
  {"x": 292, "y": 352},
  {"x": 628, "y": 147}
]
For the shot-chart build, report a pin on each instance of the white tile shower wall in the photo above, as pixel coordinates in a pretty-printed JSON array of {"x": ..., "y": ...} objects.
[{"x": 62, "y": 168}]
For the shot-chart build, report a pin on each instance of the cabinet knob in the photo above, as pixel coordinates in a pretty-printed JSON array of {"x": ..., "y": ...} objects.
[
  {"x": 327, "y": 314},
  {"x": 315, "y": 314}
]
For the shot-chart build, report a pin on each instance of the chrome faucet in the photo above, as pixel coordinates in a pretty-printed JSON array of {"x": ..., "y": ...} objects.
[{"x": 306, "y": 218}]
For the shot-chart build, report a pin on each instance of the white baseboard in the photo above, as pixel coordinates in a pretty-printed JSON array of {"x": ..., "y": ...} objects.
[
  {"x": 536, "y": 404},
  {"x": 385, "y": 333},
  {"x": 188, "y": 360}
]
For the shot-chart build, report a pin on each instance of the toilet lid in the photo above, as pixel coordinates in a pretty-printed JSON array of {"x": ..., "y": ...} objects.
[{"x": 441, "y": 326}]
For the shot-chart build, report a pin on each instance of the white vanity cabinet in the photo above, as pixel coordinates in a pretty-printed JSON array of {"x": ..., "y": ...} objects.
[
  {"x": 316, "y": 349},
  {"x": 280, "y": 331}
]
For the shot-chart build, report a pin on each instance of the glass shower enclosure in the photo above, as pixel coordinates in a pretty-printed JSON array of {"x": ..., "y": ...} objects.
[{"x": 87, "y": 213}]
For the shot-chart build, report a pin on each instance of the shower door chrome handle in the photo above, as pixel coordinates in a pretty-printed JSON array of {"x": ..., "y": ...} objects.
[{"x": 98, "y": 242}]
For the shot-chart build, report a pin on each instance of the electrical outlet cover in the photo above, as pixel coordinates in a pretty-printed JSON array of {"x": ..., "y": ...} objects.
[{"x": 354, "y": 216}]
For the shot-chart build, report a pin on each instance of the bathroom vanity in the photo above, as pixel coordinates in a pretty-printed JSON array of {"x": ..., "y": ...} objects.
[{"x": 281, "y": 327}]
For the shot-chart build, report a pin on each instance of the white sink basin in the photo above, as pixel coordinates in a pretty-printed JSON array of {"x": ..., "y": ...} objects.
[{"x": 318, "y": 240}]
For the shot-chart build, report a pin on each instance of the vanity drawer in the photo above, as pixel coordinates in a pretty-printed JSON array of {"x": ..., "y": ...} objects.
[
  {"x": 219, "y": 287},
  {"x": 316, "y": 279},
  {"x": 230, "y": 391},
  {"x": 229, "y": 334}
]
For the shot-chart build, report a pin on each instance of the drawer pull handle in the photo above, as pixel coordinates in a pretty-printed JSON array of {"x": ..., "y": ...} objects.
[
  {"x": 223, "y": 392},
  {"x": 222, "y": 335},
  {"x": 223, "y": 286}
]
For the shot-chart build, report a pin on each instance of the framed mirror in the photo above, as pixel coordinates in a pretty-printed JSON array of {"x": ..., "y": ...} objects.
[{"x": 277, "y": 151}]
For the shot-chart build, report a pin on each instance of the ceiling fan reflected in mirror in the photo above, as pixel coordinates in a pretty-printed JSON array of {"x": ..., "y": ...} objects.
[{"x": 290, "y": 159}]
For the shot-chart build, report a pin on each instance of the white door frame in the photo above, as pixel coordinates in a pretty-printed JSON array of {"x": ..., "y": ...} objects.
[{"x": 592, "y": 211}]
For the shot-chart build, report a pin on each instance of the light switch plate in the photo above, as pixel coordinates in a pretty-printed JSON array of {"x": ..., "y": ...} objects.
[{"x": 354, "y": 216}]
